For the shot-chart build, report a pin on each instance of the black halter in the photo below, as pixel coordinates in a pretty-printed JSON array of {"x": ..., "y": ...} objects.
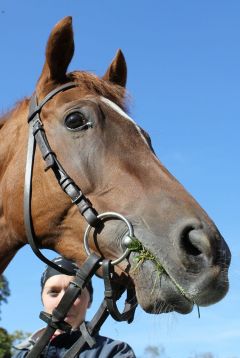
[{"x": 112, "y": 291}]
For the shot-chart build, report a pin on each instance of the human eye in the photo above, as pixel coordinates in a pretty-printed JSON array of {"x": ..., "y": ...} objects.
[{"x": 53, "y": 292}]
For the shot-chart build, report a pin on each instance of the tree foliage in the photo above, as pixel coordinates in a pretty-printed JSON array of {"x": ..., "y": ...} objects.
[
  {"x": 4, "y": 290},
  {"x": 7, "y": 340},
  {"x": 5, "y": 344}
]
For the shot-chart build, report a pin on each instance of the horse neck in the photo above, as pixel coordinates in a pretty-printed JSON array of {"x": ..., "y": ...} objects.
[
  {"x": 12, "y": 128},
  {"x": 12, "y": 137}
]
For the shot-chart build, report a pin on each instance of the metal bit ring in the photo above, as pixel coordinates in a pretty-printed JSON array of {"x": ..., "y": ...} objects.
[{"x": 108, "y": 215}]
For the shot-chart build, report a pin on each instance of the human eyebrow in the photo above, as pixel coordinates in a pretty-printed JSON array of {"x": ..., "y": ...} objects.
[{"x": 53, "y": 288}]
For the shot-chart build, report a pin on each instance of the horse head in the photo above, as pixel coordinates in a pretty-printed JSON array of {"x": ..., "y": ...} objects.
[{"x": 182, "y": 258}]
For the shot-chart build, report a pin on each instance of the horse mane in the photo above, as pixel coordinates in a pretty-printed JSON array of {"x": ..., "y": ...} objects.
[
  {"x": 5, "y": 117},
  {"x": 19, "y": 105}
]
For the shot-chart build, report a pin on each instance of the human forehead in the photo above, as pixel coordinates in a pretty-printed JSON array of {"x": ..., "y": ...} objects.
[{"x": 60, "y": 281}]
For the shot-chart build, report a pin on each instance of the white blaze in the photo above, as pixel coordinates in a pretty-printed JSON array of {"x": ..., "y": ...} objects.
[{"x": 119, "y": 110}]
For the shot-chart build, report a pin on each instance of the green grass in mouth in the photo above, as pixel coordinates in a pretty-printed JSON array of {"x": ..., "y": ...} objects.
[{"x": 142, "y": 255}]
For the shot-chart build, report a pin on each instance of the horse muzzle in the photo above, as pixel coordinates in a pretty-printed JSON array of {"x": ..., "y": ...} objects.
[{"x": 186, "y": 267}]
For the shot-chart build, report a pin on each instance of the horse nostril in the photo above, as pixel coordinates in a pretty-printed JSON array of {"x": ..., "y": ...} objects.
[{"x": 195, "y": 242}]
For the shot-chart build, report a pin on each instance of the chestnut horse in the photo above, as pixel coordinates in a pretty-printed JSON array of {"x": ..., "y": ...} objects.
[{"x": 111, "y": 159}]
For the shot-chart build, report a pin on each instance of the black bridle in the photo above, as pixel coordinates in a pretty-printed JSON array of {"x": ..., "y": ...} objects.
[
  {"x": 113, "y": 291},
  {"x": 37, "y": 135}
]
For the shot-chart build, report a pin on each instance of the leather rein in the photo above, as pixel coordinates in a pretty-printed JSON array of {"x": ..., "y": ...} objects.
[{"x": 113, "y": 291}]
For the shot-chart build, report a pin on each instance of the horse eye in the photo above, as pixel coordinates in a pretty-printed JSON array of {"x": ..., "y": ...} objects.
[{"x": 76, "y": 121}]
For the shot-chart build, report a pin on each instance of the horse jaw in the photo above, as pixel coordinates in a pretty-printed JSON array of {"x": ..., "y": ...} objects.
[{"x": 157, "y": 292}]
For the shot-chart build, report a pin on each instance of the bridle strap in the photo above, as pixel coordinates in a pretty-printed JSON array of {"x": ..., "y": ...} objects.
[
  {"x": 27, "y": 202},
  {"x": 113, "y": 293},
  {"x": 88, "y": 331},
  {"x": 33, "y": 110},
  {"x": 37, "y": 135}
]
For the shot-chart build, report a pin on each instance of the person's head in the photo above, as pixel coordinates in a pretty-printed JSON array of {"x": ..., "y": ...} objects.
[{"x": 53, "y": 287}]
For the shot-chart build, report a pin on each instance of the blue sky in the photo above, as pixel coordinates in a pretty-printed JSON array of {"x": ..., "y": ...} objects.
[{"x": 184, "y": 78}]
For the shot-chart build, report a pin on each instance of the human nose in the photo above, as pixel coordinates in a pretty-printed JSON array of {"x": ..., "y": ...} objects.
[
  {"x": 59, "y": 297},
  {"x": 76, "y": 302}
]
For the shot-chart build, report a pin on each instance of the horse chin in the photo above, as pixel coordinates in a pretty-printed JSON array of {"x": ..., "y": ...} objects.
[{"x": 156, "y": 292}]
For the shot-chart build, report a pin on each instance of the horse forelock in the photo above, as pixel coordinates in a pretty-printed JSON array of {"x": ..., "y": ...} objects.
[
  {"x": 97, "y": 86},
  {"x": 88, "y": 81}
]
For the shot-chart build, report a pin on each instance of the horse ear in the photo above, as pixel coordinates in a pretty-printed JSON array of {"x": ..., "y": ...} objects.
[
  {"x": 117, "y": 71},
  {"x": 59, "y": 52}
]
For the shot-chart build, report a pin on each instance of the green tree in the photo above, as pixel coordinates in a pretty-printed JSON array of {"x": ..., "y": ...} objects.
[
  {"x": 7, "y": 340},
  {"x": 4, "y": 291},
  {"x": 5, "y": 344}
]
